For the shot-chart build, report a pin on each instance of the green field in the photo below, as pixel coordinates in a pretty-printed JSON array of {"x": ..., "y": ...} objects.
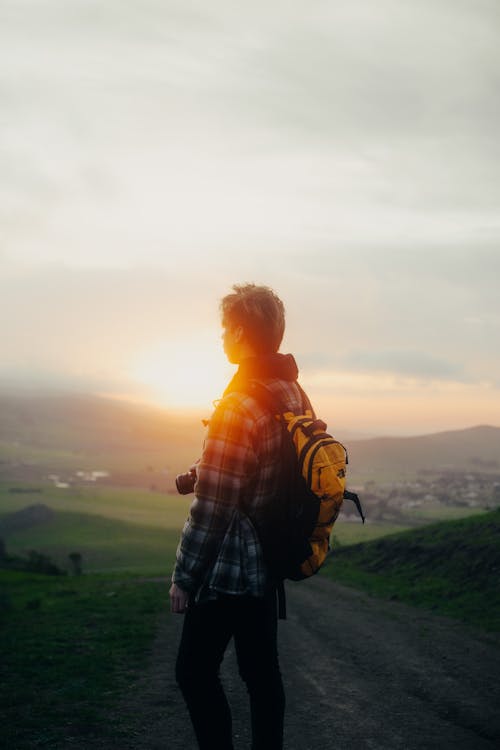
[
  {"x": 113, "y": 529},
  {"x": 353, "y": 532},
  {"x": 138, "y": 506},
  {"x": 438, "y": 512},
  {"x": 105, "y": 544},
  {"x": 123, "y": 529}
]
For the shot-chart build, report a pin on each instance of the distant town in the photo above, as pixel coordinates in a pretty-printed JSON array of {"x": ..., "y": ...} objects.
[{"x": 395, "y": 500}]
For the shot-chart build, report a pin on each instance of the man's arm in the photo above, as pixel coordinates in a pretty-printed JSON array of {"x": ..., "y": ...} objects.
[{"x": 226, "y": 467}]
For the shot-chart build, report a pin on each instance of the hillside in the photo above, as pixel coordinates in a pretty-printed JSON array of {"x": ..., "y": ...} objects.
[
  {"x": 41, "y": 434},
  {"x": 64, "y": 433},
  {"x": 104, "y": 543},
  {"x": 90, "y": 423},
  {"x": 451, "y": 567},
  {"x": 473, "y": 449}
]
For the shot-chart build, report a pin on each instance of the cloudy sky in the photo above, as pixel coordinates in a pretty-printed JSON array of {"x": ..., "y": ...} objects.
[{"x": 154, "y": 152}]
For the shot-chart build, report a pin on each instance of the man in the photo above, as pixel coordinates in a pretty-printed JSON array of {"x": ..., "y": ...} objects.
[{"x": 220, "y": 581}]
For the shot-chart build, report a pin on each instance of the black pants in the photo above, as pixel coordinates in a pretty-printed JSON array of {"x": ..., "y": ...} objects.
[{"x": 208, "y": 628}]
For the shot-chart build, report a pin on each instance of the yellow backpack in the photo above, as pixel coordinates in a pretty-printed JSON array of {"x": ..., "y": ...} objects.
[{"x": 295, "y": 534}]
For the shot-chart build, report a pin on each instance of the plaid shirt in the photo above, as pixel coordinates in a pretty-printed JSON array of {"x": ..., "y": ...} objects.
[{"x": 219, "y": 551}]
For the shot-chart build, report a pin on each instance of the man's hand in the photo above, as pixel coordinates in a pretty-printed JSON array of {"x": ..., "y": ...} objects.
[{"x": 178, "y": 600}]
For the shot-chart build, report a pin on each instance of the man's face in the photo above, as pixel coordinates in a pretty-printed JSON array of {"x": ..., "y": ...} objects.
[{"x": 231, "y": 339}]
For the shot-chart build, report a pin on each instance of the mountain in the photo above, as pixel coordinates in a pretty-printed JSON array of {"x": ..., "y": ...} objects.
[
  {"x": 42, "y": 434},
  {"x": 474, "y": 449},
  {"x": 62, "y": 433}
]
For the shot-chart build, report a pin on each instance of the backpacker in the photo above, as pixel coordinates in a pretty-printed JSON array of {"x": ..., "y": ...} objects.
[{"x": 295, "y": 533}]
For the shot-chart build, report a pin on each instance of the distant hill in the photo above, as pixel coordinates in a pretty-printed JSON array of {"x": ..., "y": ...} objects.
[
  {"x": 57, "y": 433},
  {"x": 89, "y": 422},
  {"x": 473, "y": 449},
  {"x": 32, "y": 515},
  {"x": 42, "y": 434}
]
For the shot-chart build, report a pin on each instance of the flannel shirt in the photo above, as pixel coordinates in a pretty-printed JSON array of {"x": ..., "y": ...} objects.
[{"x": 219, "y": 550}]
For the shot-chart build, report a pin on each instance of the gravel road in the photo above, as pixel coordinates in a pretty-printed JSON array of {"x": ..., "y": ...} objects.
[{"x": 359, "y": 672}]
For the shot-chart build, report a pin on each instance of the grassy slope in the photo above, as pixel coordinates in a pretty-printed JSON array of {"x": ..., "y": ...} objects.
[
  {"x": 451, "y": 567},
  {"x": 136, "y": 506},
  {"x": 133, "y": 505},
  {"x": 106, "y": 544},
  {"x": 147, "y": 525},
  {"x": 112, "y": 528},
  {"x": 122, "y": 528},
  {"x": 354, "y": 532}
]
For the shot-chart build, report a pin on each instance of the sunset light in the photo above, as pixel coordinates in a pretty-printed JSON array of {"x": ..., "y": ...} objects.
[
  {"x": 185, "y": 374},
  {"x": 345, "y": 157}
]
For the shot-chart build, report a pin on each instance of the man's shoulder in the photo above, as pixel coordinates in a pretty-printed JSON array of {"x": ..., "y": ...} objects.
[
  {"x": 285, "y": 392},
  {"x": 235, "y": 415},
  {"x": 239, "y": 403}
]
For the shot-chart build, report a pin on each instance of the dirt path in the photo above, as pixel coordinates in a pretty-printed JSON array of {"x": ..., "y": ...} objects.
[{"x": 359, "y": 673}]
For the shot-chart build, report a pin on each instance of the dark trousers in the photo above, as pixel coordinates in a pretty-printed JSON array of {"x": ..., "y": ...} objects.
[{"x": 208, "y": 628}]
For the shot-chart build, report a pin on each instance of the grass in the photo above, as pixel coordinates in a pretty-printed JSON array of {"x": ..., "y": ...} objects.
[
  {"x": 106, "y": 544},
  {"x": 123, "y": 528},
  {"x": 125, "y": 504},
  {"x": 442, "y": 513},
  {"x": 353, "y": 532},
  {"x": 70, "y": 646},
  {"x": 113, "y": 528},
  {"x": 65, "y": 459},
  {"x": 451, "y": 567}
]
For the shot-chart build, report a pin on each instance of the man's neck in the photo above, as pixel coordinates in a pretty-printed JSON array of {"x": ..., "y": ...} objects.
[{"x": 246, "y": 352}]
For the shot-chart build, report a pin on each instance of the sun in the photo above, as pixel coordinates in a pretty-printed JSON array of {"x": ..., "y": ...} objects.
[{"x": 184, "y": 374}]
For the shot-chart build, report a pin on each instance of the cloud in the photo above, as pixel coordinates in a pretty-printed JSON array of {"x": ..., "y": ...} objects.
[
  {"x": 94, "y": 323},
  {"x": 346, "y": 154},
  {"x": 418, "y": 364},
  {"x": 347, "y": 314},
  {"x": 135, "y": 135}
]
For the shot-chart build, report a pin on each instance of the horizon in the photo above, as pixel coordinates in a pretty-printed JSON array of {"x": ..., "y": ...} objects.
[
  {"x": 346, "y": 157},
  {"x": 193, "y": 414}
]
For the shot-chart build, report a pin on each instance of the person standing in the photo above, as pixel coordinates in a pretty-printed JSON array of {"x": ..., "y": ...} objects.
[{"x": 220, "y": 582}]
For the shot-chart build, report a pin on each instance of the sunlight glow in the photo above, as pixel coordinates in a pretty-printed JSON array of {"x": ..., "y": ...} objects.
[
  {"x": 184, "y": 374},
  {"x": 396, "y": 405}
]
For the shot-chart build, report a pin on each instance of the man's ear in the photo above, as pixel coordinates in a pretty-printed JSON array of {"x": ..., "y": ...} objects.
[{"x": 238, "y": 334}]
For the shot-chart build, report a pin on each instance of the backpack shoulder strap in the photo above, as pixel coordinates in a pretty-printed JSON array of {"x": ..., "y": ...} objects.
[
  {"x": 265, "y": 398},
  {"x": 272, "y": 402},
  {"x": 305, "y": 401},
  {"x": 281, "y": 597}
]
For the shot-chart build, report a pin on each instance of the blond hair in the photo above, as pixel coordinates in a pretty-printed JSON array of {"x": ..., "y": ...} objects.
[{"x": 259, "y": 311}]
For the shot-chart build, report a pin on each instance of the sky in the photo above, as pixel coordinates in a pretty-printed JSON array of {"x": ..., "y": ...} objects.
[{"x": 346, "y": 154}]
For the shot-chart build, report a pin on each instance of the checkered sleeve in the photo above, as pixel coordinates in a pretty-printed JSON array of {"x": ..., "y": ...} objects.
[{"x": 224, "y": 476}]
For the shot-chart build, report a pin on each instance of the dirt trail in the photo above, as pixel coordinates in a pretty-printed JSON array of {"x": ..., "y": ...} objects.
[{"x": 359, "y": 673}]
